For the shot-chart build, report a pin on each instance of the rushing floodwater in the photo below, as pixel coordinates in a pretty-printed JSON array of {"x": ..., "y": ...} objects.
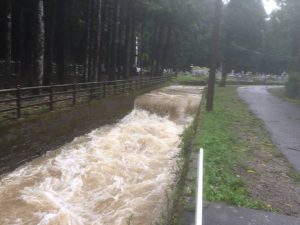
[{"x": 112, "y": 174}]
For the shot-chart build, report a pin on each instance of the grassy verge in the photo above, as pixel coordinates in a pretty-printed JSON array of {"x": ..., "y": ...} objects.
[
  {"x": 223, "y": 150},
  {"x": 192, "y": 80},
  {"x": 242, "y": 165},
  {"x": 280, "y": 92},
  {"x": 236, "y": 82},
  {"x": 292, "y": 86}
]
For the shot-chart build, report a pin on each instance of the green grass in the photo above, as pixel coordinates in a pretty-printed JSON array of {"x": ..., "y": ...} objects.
[
  {"x": 223, "y": 152},
  {"x": 292, "y": 87},
  {"x": 192, "y": 80},
  {"x": 281, "y": 93}
]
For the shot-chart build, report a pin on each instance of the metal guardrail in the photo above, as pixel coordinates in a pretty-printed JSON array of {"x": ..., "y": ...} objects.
[
  {"x": 199, "y": 207},
  {"x": 17, "y": 99}
]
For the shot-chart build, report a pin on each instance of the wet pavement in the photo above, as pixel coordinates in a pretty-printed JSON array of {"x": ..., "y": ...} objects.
[
  {"x": 282, "y": 120},
  {"x": 221, "y": 214}
]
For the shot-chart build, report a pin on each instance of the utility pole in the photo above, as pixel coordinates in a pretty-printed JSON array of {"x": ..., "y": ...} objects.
[{"x": 214, "y": 55}]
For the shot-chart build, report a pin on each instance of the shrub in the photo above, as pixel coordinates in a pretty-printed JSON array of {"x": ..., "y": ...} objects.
[
  {"x": 293, "y": 85},
  {"x": 192, "y": 80}
]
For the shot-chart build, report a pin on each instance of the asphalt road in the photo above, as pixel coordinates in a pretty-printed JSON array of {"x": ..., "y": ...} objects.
[
  {"x": 221, "y": 214},
  {"x": 282, "y": 119}
]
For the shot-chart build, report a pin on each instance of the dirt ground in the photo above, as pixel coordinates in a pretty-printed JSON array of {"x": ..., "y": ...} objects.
[{"x": 268, "y": 175}]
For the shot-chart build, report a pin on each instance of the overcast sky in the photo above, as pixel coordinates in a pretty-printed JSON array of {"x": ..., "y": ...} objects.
[{"x": 270, "y": 5}]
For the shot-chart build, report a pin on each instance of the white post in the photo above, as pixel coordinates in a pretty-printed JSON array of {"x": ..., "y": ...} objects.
[{"x": 199, "y": 206}]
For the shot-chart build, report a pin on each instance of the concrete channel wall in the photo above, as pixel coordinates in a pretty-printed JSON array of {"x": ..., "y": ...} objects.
[{"x": 26, "y": 139}]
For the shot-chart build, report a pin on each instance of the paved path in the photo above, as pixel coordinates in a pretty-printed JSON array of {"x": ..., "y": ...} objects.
[
  {"x": 282, "y": 119},
  {"x": 221, "y": 214}
]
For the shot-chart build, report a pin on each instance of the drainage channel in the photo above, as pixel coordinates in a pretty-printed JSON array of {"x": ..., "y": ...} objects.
[{"x": 117, "y": 174}]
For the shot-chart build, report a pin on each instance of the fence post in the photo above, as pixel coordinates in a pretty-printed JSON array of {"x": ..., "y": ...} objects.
[
  {"x": 104, "y": 89},
  {"x": 97, "y": 88},
  {"x": 19, "y": 68},
  {"x": 74, "y": 94},
  {"x": 18, "y": 101},
  {"x": 130, "y": 85},
  {"x": 141, "y": 83},
  {"x": 124, "y": 86},
  {"x": 115, "y": 88},
  {"x": 51, "y": 98},
  {"x": 91, "y": 91},
  {"x": 76, "y": 70},
  {"x": 136, "y": 84}
]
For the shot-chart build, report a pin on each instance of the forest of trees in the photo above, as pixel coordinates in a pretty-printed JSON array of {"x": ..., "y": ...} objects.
[
  {"x": 256, "y": 42},
  {"x": 101, "y": 37}
]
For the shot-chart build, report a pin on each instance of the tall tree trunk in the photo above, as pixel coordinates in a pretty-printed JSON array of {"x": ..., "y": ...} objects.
[
  {"x": 166, "y": 48},
  {"x": 115, "y": 39},
  {"x": 39, "y": 33},
  {"x": 61, "y": 40},
  {"x": 110, "y": 18},
  {"x": 88, "y": 41},
  {"x": 98, "y": 41},
  {"x": 157, "y": 50},
  {"x": 7, "y": 76},
  {"x": 157, "y": 67},
  {"x": 91, "y": 75},
  {"x": 21, "y": 43},
  {"x": 155, "y": 41},
  {"x": 18, "y": 23},
  {"x": 128, "y": 41},
  {"x": 162, "y": 47},
  {"x": 104, "y": 40},
  {"x": 49, "y": 40},
  {"x": 133, "y": 45},
  {"x": 120, "y": 51},
  {"x": 28, "y": 46},
  {"x": 224, "y": 75}
]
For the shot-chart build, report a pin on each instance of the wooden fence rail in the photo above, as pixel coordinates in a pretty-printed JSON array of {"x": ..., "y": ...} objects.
[{"x": 16, "y": 100}]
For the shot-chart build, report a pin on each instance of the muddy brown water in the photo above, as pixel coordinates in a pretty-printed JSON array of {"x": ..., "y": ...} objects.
[{"x": 109, "y": 176}]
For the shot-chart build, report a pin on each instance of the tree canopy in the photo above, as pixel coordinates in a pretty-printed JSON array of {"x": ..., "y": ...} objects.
[
  {"x": 100, "y": 36},
  {"x": 60, "y": 41},
  {"x": 244, "y": 25}
]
